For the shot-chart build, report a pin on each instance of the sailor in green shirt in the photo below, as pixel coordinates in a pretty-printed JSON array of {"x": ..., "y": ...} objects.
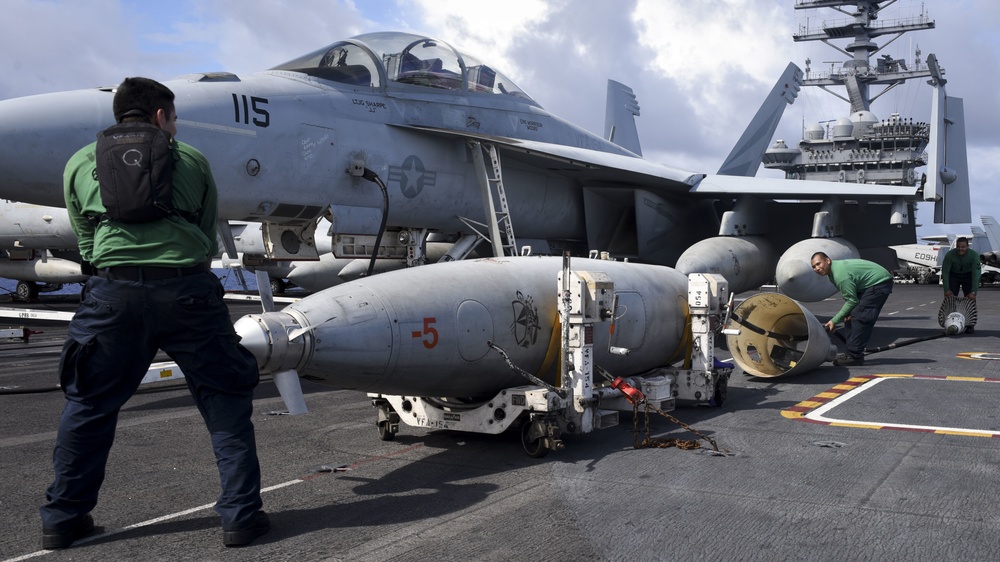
[
  {"x": 865, "y": 287},
  {"x": 961, "y": 270},
  {"x": 172, "y": 242},
  {"x": 152, "y": 289}
]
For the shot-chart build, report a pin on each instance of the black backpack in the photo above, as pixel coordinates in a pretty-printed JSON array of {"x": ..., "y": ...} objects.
[{"x": 135, "y": 168}]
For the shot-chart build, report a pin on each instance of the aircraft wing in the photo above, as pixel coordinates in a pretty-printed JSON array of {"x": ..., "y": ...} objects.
[
  {"x": 937, "y": 238},
  {"x": 591, "y": 167},
  {"x": 595, "y": 167},
  {"x": 796, "y": 189}
]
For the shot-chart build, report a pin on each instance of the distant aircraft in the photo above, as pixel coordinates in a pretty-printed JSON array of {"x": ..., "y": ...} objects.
[
  {"x": 922, "y": 262},
  {"x": 463, "y": 154},
  {"x": 37, "y": 248},
  {"x": 990, "y": 256}
]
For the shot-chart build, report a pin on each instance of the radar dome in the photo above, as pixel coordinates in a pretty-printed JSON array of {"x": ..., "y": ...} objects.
[
  {"x": 814, "y": 132},
  {"x": 844, "y": 128},
  {"x": 863, "y": 121}
]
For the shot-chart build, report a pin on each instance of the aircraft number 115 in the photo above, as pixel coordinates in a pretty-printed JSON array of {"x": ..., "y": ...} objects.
[{"x": 243, "y": 106}]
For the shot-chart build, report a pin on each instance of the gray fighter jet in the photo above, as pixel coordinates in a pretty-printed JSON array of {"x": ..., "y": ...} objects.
[{"x": 461, "y": 154}]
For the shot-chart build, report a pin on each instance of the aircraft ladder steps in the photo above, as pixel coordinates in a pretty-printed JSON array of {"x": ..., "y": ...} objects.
[{"x": 501, "y": 229}]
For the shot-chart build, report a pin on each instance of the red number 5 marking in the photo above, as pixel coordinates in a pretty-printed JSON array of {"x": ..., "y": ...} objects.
[{"x": 428, "y": 331}]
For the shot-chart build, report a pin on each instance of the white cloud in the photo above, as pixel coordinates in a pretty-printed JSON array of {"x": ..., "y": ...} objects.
[
  {"x": 699, "y": 69},
  {"x": 486, "y": 30}
]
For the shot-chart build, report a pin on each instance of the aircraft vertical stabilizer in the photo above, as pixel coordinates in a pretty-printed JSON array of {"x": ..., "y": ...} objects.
[
  {"x": 992, "y": 232},
  {"x": 947, "y": 164},
  {"x": 979, "y": 240},
  {"x": 619, "y": 117},
  {"x": 748, "y": 153}
]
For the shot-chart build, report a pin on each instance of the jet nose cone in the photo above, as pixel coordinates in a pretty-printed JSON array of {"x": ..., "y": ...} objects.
[
  {"x": 40, "y": 133},
  {"x": 275, "y": 339}
]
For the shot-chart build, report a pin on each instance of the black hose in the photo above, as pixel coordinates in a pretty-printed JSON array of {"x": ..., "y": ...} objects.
[
  {"x": 32, "y": 390},
  {"x": 895, "y": 344},
  {"x": 905, "y": 343},
  {"x": 373, "y": 177}
]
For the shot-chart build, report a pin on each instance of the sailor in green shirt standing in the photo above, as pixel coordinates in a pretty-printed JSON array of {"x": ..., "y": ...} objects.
[
  {"x": 961, "y": 271},
  {"x": 144, "y": 208},
  {"x": 865, "y": 287}
]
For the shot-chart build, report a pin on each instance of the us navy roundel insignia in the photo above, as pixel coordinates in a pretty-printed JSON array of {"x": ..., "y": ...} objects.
[{"x": 412, "y": 177}]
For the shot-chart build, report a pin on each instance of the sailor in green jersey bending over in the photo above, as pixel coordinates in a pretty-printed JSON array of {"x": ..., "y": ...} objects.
[{"x": 865, "y": 287}]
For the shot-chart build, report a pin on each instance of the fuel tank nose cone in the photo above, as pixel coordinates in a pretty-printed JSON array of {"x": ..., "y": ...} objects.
[
  {"x": 267, "y": 337},
  {"x": 254, "y": 337}
]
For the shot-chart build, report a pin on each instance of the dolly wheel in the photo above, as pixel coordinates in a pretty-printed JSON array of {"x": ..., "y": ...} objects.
[
  {"x": 532, "y": 441},
  {"x": 385, "y": 432},
  {"x": 721, "y": 392},
  {"x": 387, "y": 422}
]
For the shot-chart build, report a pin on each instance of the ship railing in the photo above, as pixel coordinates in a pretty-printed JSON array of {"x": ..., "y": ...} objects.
[
  {"x": 840, "y": 74},
  {"x": 914, "y": 21}
]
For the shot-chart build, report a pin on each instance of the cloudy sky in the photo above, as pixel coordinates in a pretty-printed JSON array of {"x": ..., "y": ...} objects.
[{"x": 699, "y": 68}]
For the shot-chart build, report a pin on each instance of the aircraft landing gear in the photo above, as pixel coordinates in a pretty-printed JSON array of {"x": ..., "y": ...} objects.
[
  {"x": 277, "y": 286},
  {"x": 26, "y": 291}
]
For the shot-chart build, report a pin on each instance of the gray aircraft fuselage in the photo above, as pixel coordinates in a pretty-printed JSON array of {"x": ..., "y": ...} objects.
[{"x": 280, "y": 142}]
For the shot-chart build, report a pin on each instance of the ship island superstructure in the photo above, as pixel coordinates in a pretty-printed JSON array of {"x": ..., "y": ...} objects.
[{"x": 860, "y": 148}]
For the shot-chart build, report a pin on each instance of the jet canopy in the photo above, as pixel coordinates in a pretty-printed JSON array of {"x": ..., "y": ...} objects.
[{"x": 385, "y": 58}]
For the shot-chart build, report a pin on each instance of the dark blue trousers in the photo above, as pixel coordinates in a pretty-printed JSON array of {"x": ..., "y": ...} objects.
[
  {"x": 960, "y": 282},
  {"x": 863, "y": 317},
  {"x": 112, "y": 340}
]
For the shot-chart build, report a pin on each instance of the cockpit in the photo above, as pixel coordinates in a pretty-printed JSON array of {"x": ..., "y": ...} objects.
[{"x": 374, "y": 59}]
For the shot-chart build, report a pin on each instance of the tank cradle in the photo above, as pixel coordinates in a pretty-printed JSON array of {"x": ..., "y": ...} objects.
[{"x": 544, "y": 412}]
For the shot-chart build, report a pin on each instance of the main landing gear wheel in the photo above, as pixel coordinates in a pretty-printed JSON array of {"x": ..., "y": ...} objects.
[
  {"x": 533, "y": 440},
  {"x": 26, "y": 291},
  {"x": 277, "y": 286}
]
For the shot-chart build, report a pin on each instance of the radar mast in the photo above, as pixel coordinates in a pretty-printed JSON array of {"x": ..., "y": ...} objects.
[{"x": 860, "y": 148}]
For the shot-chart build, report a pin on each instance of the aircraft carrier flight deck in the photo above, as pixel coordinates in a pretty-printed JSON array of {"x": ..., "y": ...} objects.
[{"x": 892, "y": 460}]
